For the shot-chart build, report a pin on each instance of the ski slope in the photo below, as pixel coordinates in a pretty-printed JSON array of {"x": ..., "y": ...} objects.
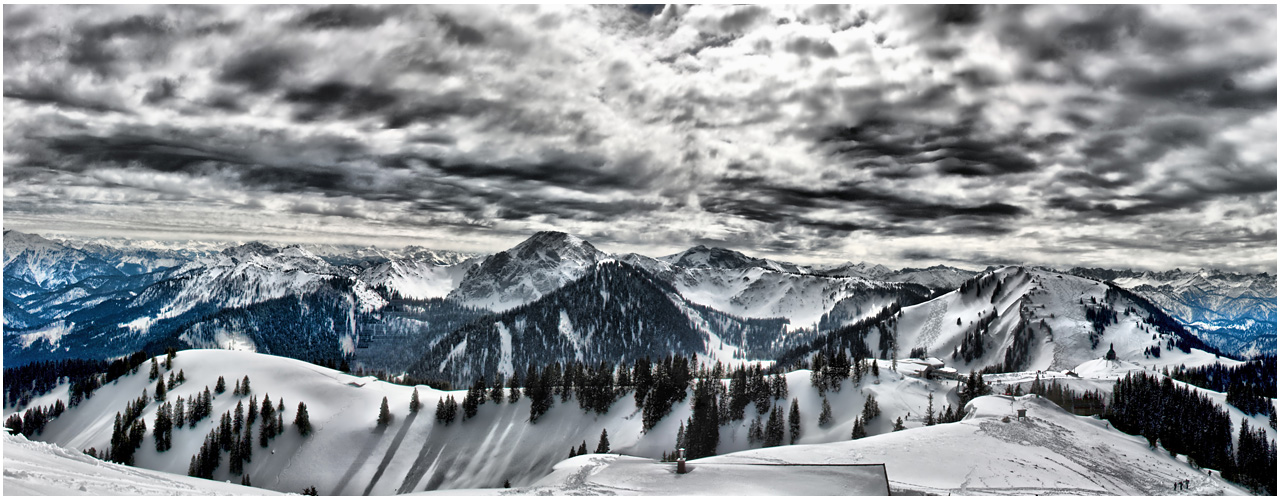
[
  {"x": 347, "y": 454},
  {"x": 1051, "y": 452}
]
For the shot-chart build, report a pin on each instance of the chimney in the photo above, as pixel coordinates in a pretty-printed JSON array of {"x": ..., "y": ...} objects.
[{"x": 680, "y": 469}]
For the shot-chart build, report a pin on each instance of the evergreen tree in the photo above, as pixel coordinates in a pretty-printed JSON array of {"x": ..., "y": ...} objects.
[
  {"x": 414, "y": 404},
  {"x": 702, "y": 436},
  {"x": 237, "y": 424},
  {"x": 182, "y": 376},
  {"x": 310, "y": 491},
  {"x": 929, "y": 419},
  {"x": 155, "y": 370},
  {"x": 161, "y": 393},
  {"x": 859, "y": 429},
  {"x": 267, "y": 430},
  {"x": 898, "y": 425},
  {"x": 236, "y": 390},
  {"x": 253, "y": 411},
  {"x": 245, "y": 480},
  {"x": 495, "y": 392},
  {"x": 603, "y": 446},
  {"x": 384, "y": 414},
  {"x": 221, "y": 386},
  {"x": 582, "y": 449},
  {"x": 573, "y": 452},
  {"x": 244, "y": 386},
  {"x": 870, "y": 409},
  {"x": 755, "y": 433},
  {"x": 775, "y": 429},
  {"x": 169, "y": 354},
  {"x": 179, "y": 414},
  {"x": 824, "y": 418},
  {"x": 303, "y": 421},
  {"x": 794, "y": 420}
]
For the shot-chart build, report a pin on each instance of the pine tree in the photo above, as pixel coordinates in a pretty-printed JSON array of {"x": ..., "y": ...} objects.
[
  {"x": 161, "y": 393},
  {"x": 495, "y": 392},
  {"x": 244, "y": 386},
  {"x": 929, "y": 419},
  {"x": 245, "y": 481},
  {"x": 173, "y": 381},
  {"x": 267, "y": 430},
  {"x": 221, "y": 386},
  {"x": 237, "y": 424},
  {"x": 824, "y": 418},
  {"x": 302, "y": 420},
  {"x": 182, "y": 376},
  {"x": 859, "y": 429},
  {"x": 775, "y": 429},
  {"x": 384, "y": 414},
  {"x": 414, "y": 404},
  {"x": 755, "y": 433},
  {"x": 252, "y": 416},
  {"x": 179, "y": 413},
  {"x": 898, "y": 425},
  {"x": 310, "y": 491},
  {"x": 794, "y": 420},
  {"x": 870, "y": 409},
  {"x": 169, "y": 354},
  {"x": 582, "y": 449},
  {"x": 603, "y": 447},
  {"x": 155, "y": 370}
]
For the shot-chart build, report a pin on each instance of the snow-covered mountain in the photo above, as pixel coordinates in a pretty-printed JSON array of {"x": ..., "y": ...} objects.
[
  {"x": 615, "y": 313},
  {"x": 48, "y": 264},
  {"x": 1026, "y": 319},
  {"x": 1231, "y": 311},
  {"x": 938, "y": 278},
  {"x": 545, "y": 262},
  {"x": 364, "y": 256},
  {"x": 722, "y": 258},
  {"x": 417, "y": 279}
]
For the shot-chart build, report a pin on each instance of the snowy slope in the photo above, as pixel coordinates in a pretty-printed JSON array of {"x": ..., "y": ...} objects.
[
  {"x": 1050, "y": 453},
  {"x": 416, "y": 279},
  {"x": 346, "y": 451},
  {"x": 34, "y": 468},
  {"x": 1045, "y": 307},
  {"x": 347, "y": 454}
]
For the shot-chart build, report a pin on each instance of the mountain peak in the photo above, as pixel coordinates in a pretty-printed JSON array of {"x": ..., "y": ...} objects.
[{"x": 250, "y": 248}]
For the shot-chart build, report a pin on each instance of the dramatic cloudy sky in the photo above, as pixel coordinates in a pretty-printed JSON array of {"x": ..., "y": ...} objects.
[{"x": 1133, "y": 136}]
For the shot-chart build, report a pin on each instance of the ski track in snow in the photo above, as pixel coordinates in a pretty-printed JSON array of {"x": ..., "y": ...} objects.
[{"x": 933, "y": 325}]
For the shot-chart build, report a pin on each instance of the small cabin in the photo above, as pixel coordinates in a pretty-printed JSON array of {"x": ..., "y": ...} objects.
[{"x": 1022, "y": 413}]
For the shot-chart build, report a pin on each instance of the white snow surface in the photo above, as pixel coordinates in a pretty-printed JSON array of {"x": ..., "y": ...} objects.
[{"x": 35, "y": 468}]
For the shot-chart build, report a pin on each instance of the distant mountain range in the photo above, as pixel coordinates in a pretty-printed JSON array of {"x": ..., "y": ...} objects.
[{"x": 552, "y": 296}]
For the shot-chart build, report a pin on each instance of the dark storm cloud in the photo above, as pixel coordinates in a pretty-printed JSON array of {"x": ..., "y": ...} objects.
[
  {"x": 825, "y": 129},
  {"x": 339, "y": 98},
  {"x": 958, "y": 149},
  {"x": 259, "y": 69},
  {"x": 342, "y": 17},
  {"x": 58, "y": 94}
]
